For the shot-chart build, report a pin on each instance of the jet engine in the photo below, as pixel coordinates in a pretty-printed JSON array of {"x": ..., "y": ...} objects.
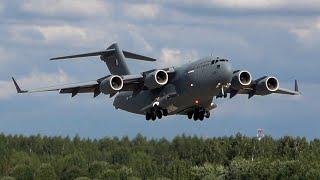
[
  {"x": 267, "y": 86},
  {"x": 156, "y": 79},
  {"x": 111, "y": 84},
  {"x": 240, "y": 79}
]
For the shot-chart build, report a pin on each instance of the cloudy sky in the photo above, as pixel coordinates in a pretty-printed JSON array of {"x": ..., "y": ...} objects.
[{"x": 266, "y": 37}]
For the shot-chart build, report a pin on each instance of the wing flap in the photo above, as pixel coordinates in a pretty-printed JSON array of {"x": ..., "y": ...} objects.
[{"x": 82, "y": 89}]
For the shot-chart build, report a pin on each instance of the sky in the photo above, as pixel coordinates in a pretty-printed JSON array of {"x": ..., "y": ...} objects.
[{"x": 266, "y": 37}]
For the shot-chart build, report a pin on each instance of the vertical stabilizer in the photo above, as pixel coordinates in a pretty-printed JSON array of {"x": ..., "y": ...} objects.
[{"x": 116, "y": 62}]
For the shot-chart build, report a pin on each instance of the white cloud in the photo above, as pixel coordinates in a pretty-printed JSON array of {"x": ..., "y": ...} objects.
[
  {"x": 34, "y": 79},
  {"x": 64, "y": 33},
  {"x": 139, "y": 39},
  {"x": 50, "y": 35},
  {"x": 256, "y": 4},
  {"x": 246, "y": 3},
  {"x": 141, "y": 11},
  {"x": 67, "y": 7},
  {"x": 5, "y": 55},
  {"x": 1, "y": 7},
  {"x": 308, "y": 34},
  {"x": 174, "y": 57}
]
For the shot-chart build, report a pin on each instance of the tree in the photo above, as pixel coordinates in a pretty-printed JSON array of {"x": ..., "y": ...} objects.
[
  {"x": 239, "y": 169},
  {"x": 142, "y": 165},
  {"x": 96, "y": 168},
  {"x": 218, "y": 173},
  {"x": 45, "y": 171},
  {"x": 178, "y": 169},
  {"x": 71, "y": 172},
  {"x": 184, "y": 157},
  {"x": 7, "y": 178},
  {"x": 22, "y": 172},
  {"x": 82, "y": 178},
  {"x": 124, "y": 172},
  {"x": 73, "y": 166},
  {"x": 199, "y": 172},
  {"x": 109, "y": 174}
]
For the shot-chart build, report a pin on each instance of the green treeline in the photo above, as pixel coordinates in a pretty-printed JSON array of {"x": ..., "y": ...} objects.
[{"x": 184, "y": 157}]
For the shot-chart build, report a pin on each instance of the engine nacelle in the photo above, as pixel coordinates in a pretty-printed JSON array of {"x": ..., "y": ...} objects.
[
  {"x": 241, "y": 79},
  {"x": 156, "y": 79},
  {"x": 111, "y": 84},
  {"x": 267, "y": 86}
]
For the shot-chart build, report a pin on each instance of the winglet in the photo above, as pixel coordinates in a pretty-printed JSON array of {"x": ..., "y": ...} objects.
[
  {"x": 296, "y": 88},
  {"x": 17, "y": 86}
]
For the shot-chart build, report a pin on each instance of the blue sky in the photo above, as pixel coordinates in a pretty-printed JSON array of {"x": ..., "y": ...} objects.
[{"x": 266, "y": 37}]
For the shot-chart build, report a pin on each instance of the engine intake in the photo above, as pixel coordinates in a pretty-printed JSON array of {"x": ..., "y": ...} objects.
[
  {"x": 240, "y": 79},
  {"x": 111, "y": 84},
  {"x": 156, "y": 79},
  {"x": 267, "y": 86}
]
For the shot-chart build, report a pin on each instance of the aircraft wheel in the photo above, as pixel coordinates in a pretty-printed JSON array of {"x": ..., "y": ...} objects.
[
  {"x": 153, "y": 116},
  {"x": 159, "y": 114},
  {"x": 148, "y": 116},
  {"x": 196, "y": 116},
  {"x": 165, "y": 112},
  {"x": 201, "y": 116},
  {"x": 190, "y": 115},
  {"x": 207, "y": 115}
]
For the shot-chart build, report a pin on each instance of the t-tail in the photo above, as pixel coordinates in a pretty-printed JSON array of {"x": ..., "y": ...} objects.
[{"x": 114, "y": 57}]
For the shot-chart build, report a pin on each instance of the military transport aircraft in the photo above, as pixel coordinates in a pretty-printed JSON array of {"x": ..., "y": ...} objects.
[{"x": 185, "y": 90}]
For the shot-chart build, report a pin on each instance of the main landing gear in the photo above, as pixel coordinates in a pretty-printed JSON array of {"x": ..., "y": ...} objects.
[
  {"x": 156, "y": 112},
  {"x": 198, "y": 113}
]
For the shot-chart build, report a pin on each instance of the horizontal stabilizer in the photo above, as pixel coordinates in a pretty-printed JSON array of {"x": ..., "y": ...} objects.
[
  {"x": 107, "y": 53},
  {"x": 137, "y": 56},
  {"x": 99, "y": 53}
]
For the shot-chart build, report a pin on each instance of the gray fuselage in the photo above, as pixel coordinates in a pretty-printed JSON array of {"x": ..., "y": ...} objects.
[{"x": 194, "y": 84}]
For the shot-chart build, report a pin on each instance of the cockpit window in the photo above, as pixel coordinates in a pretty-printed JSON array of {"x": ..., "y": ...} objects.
[{"x": 219, "y": 60}]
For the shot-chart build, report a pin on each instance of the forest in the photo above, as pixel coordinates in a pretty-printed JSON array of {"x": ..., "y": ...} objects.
[{"x": 183, "y": 157}]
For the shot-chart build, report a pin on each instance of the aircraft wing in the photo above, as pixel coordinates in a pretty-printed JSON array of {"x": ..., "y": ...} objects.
[
  {"x": 287, "y": 91},
  {"x": 250, "y": 91},
  {"x": 131, "y": 83},
  {"x": 290, "y": 92},
  {"x": 72, "y": 89}
]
